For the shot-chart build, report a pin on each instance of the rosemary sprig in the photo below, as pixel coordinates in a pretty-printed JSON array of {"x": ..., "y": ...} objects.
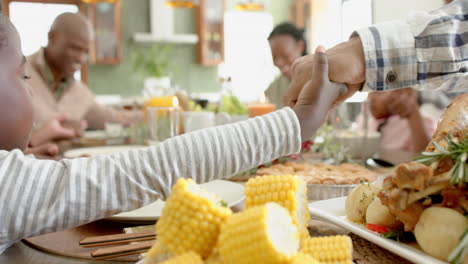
[
  {"x": 455, "y": 151},
  {"x": 458, "y": 254}
]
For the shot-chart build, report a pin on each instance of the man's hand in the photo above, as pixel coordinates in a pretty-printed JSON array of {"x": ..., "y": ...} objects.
[
  {"x": 58, "y": 128},
  {"x": 346, "y": 65},
  {"x": 317, "y": 97},
  {"x": 44, "y": 151}
]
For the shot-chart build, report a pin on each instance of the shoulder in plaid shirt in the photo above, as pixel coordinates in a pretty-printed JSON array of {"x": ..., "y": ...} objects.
[{"x": 427, "y": 51}]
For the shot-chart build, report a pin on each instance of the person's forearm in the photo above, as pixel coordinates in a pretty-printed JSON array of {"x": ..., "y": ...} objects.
[
  {"x": 43, "y": 196},
  {"x": 418, "y": 51},
  {"x": 347, "y": 62},
  {"x": 419, "y": 135}
]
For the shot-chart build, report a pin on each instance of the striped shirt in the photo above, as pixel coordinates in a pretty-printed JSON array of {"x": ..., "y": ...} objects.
[
  {"x": 427, "y": 51},
  {"x": 41, "y": 196}
]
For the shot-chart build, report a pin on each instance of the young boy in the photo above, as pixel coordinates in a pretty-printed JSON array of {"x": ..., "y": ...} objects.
[{"x": 42, "y": 196}]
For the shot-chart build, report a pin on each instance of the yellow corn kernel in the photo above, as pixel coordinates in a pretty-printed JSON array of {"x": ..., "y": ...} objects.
[
  {"x": 191, "y": 219},
  {"x": 187, "y": 258},
  {"x": 157, "y": 254},
  {"x": 329, "y": 249},
  {"x": 286, "y": 190},
  {"x": 302, "y": 258},
  {"x": 214, "y": 259},
  {"x": 261, "y": 234}
]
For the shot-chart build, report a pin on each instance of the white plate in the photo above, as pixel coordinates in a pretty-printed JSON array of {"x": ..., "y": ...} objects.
[
  {"x": 94, "y": 151},
  {"x": 232, "y": 193},
  {"x": 333, "y": 210}
]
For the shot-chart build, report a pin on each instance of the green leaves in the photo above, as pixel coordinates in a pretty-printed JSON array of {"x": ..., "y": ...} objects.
[
  {"x": 230, "y": 104},
  {"x": 457, "y": 152},
  {"x": 153, "y": 62},
  {"x": 223, "y": 203},
  {"x": 400, "y": 235}
]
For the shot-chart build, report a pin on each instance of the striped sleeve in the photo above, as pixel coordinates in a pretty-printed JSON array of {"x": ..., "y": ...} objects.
[
  {"x": 426, "y": 51},
  {"x": 43, "y": 196}
]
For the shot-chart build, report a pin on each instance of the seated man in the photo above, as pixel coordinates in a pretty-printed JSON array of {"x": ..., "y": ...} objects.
[{"x": 52, "y": 69}]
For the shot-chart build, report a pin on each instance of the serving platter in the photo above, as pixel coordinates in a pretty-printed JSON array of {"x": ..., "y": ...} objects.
[{"x": 333, "y": 211}]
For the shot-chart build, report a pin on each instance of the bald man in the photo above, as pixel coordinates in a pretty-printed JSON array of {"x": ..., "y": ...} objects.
[{"x": 52, "y": 69}]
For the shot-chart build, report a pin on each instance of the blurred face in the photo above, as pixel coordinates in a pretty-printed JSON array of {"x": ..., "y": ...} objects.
[
  {"x": 285, "y": 50},
  {"x": 16, "y": 118},
  {"x": 68, "y": 51}
]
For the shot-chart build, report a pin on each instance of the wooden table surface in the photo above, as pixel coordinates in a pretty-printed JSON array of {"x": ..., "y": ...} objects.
[{"x": 25, "y": 254}]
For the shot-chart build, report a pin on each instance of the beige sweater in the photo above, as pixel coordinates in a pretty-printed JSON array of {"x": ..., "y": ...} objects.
[{"x": 77, "y": 100}]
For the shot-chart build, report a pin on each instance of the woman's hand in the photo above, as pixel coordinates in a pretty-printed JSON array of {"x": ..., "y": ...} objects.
[{"x": 403, "y": 103}]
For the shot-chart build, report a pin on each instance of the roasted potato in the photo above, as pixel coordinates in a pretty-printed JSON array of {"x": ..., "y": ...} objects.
[
  {"x": 358, "y": 201},
  {"x": 378, "y": 214},
  {"x": 439, "y": 230}
]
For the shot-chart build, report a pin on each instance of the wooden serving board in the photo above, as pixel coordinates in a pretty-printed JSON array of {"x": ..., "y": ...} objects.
[{"x": 66, "y": 243}]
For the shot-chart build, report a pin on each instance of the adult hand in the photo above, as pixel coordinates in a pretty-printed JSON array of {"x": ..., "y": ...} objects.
[
  {"x": 346, "y": 65},
  {"x": 58, "y": 128},
  {"x": 44, "y": 151},
  {"x": 403, "y": 102},
  {"x": 317, "y": 96}
]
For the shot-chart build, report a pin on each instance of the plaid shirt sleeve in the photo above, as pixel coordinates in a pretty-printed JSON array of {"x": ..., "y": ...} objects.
[{"x": 426, "y": 51}]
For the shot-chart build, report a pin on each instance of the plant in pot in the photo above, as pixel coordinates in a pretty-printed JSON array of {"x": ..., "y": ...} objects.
[{"x": 153, "y": 63}]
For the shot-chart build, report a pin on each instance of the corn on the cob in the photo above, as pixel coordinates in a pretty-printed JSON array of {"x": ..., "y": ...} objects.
[
  {"x": 261, "y": 234},
  {"x": 157, "y": 254},
  {"x": 287, "y": 190},
  {"x": 214, "y": 259},
  {"x": 330, "y": 249},
  {"x": 191, "y": 219},
  {"x": 187, "y": 258},
  {"x": 302, "y": 258}
]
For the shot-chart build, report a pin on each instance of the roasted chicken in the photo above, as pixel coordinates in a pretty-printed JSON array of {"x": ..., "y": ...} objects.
[{"x": 415, "y": 186}]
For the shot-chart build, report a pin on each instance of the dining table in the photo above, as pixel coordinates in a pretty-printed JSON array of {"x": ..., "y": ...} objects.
[{"x": 23, "y": 252}]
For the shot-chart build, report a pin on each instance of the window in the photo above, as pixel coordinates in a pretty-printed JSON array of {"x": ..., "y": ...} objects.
[
  {"x": 43, "y": 13},
  {"x": 248, "y": 59},
  {"x": 350, "y": 21},
  {"x": 34, "y": 36}
]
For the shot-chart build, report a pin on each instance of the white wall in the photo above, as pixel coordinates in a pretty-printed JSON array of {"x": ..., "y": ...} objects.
[{"x": 386, "y": 10}]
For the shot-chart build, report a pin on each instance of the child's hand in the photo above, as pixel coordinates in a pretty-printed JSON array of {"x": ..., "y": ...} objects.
[{"x": 317, "y": 96}]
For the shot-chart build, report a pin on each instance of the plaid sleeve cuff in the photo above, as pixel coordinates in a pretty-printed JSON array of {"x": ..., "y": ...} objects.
[{"x": 390, "y": 55}]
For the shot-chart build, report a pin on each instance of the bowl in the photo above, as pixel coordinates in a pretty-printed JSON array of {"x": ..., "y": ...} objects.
[{"x": 359, "y": 146}]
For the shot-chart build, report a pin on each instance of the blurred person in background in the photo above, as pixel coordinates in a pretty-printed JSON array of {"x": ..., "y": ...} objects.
[
  {"x": 396, "y": 115},
  {"x": 52, "y": 70},
  {"x": 287, "y": 44}
]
